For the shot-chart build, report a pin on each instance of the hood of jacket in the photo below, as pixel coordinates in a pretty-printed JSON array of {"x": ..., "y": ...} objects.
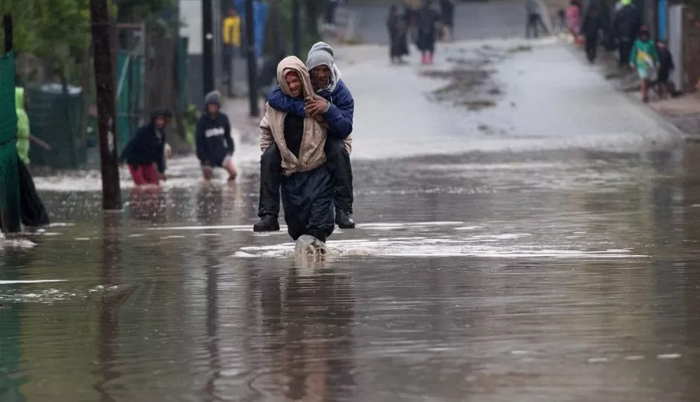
[
  {"x": 311, "y": 153},
  {"x": 293, "y": 64},
  {"x": 326, "y": 51}
]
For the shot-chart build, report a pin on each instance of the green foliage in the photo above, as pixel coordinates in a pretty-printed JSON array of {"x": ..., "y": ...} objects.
[
  {"x": 49, "y": 29},
  {"x": 58, "y": 31}
]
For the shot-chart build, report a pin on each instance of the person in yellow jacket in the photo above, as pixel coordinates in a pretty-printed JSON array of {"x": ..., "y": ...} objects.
[
  {"x": 22, "y": 126},
  {"x": 232, "y": 39}
]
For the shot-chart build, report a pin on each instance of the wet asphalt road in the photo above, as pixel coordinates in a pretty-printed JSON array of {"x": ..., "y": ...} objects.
[{"x": 543, "y": 249}]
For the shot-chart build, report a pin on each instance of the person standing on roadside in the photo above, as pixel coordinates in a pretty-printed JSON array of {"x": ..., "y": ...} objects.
[
  {"x": 573, "y": 18},
  {"x": 447, "y": 9},
  {"x": 626, "y": 26},
  {"x": 645, "y": 57},
  {"x": 396, "y": 25},
  {"x": 427, "y": 32},
  {"x": 534, "y": 19},
  {"x": 592, "y": 24},
  {"x": 666, "y": 66}
]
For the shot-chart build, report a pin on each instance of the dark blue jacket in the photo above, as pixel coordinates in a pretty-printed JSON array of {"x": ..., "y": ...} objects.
[
  {"x": 146, "y": 147},
  {"x": 213, "y": 138},
  {"x": 338, "y": 117}
]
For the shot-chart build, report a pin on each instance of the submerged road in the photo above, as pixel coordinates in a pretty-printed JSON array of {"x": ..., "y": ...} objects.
[{"x": 540, "y": 247}]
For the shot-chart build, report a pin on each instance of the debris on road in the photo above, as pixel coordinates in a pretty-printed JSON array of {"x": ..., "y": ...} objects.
[{"x": 469, "y": 84}]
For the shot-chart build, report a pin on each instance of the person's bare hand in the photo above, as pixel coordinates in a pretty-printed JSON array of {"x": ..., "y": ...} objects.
[
  {"x": 316, "y": 107},
  {"x": 162, "y": 177}
]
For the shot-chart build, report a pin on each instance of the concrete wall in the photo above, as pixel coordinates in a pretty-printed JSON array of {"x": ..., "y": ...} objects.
[
  {"x": 191, "y": 15},
  {"x": 675, "y": 43}
]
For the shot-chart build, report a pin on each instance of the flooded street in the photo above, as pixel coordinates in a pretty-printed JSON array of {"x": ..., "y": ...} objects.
[
  {"x": 555, "y": 276},
  {"x": 543, "y": 249}
]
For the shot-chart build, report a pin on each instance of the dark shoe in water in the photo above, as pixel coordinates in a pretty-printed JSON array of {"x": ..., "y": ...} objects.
[
  {"x": 268, "y": 223},
  {"x": 344, "y": 220}
]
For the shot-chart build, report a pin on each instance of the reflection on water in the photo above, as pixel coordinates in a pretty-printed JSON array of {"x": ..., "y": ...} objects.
[{"x": 549, "y": 276}]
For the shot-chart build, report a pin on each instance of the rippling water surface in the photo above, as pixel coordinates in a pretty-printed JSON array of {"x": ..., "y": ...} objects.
[{"x": 544, "y": 276}]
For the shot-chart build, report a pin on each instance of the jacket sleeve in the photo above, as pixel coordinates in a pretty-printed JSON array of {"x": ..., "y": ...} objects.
[
  {"x": 339, "y": 115},
  {"x": 633, "y": 54},
  {"x": 229, "y": 138},
  {"x": 130, "y": 146},
  {"x": 266, "y": 138},
  {"x": 160, "y": 158},
  {"x": 279, "y": 101},
  {"x": 201, "y": 142}
]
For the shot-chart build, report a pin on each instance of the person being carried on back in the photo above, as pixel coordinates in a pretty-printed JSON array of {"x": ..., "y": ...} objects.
[
  {"x": 213, "y": 137},
  {"x": 307, "y": 189},
  {"x": 335, "y": 107},
  {"x": 145, "y": 152}
]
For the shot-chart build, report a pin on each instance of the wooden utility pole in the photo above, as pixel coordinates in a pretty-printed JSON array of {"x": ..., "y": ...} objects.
[
  {"x": 104, "y": 83},
  {"x": 252, "y": 59},
  {"x": 207, "y": 46}
]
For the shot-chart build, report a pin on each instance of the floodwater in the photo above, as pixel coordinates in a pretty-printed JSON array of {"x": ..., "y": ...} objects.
[
  {"x": 509, "y": 277},
  {"x": 562, "y": 274}
]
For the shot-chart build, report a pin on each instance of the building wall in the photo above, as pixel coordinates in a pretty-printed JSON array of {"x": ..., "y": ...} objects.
[
  {"x": 191, "y": 15},
  {"x": 675, "y": 43}
]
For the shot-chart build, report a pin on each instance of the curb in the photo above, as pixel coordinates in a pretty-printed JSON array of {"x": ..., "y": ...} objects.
[{"x": 649, "y": 111}]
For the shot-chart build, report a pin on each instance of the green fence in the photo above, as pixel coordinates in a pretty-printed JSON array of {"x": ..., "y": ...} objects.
[
  {"x": 130, "y": 91},
  {"x": 55, "y": 117}
]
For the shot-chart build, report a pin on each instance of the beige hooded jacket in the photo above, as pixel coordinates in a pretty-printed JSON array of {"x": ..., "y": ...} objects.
[{"x": 311, "y": 153}]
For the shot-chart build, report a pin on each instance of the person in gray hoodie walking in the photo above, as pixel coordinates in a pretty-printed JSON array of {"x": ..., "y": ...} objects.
[
  {"x": 334, "y": 105},
  {"x": 534, "y": 19}
]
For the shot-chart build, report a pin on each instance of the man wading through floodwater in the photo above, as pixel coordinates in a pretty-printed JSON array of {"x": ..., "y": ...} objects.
[
  {"x": 334, "y": 106},
  {"x": 299, "y": 142}
]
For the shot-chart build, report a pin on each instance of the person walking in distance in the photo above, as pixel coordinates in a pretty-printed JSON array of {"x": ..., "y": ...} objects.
[
  {"x": 534, "y": 20},
  {"x": 396, "y": 25},
  {"x": 447, "y": 9},
  {"x": 427, "y": 32},
  {"x": 645, "y": 58},
  {"x": 213, "y": 137},
  {"x": 626, "y": 26},
  {"x": 666, "y": 66},
  {"x": 573, "y": 18},
  {"x": 592, "y": 24},
  {"x": 335, "y": 106}
]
